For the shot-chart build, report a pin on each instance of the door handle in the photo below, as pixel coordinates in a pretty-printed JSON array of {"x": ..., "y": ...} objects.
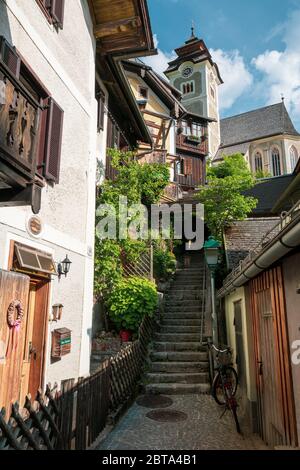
[{"x": 260, "y": 367}]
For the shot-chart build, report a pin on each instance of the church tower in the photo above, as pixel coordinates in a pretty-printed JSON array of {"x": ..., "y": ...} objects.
[{"x": 197, "y": 76}]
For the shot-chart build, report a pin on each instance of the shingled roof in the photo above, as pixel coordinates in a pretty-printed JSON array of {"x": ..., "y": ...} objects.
[
  {"x": 267, "y": 191},
  {"x": 257, "y": 124}
]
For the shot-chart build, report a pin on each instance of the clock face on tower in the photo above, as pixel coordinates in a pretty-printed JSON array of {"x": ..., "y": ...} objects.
[{"x": 187, "y": 72}]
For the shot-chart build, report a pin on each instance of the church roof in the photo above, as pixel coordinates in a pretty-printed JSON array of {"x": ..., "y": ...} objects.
[{"x": 257, "y": 124}]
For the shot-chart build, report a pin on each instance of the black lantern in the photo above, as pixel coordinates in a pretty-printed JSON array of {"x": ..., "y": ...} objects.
[{"x": 64, "y": 267}]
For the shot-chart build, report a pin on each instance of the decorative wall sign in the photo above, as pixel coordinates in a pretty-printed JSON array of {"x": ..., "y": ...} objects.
[{"x": 35, "y": 226}]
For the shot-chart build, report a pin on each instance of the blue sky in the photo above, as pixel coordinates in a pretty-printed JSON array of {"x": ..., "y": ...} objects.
[{"x": 256, "y": 44}]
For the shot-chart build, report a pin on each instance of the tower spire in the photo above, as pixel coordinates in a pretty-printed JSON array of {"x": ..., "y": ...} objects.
[{"x": 193, "y": 30}]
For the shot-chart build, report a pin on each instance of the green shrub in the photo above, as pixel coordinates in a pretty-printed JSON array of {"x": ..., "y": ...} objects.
[
  {"x": 130, "y": 301},
  {"x": 164, "y": 263}
]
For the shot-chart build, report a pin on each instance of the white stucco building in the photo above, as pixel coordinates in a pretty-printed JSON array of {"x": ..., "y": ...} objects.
[{"x": 54, "y": 114}]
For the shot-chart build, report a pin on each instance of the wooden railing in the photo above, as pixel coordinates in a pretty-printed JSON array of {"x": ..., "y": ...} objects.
[
  {"x": 143, "y": 267},
  {"x": 19, "y": 120},
  {"x": 157, "y": 156},
  {"x": 192, "y": 145},
  {"x": 73, "y": 417}
]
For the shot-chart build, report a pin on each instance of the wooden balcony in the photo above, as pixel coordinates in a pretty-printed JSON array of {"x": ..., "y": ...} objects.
[
  {"x": 19, "y": 123},
  {"x": 192, "y": 144},
  {"x": 172, "y": 193},
  {"x": 157, "y": 156}
]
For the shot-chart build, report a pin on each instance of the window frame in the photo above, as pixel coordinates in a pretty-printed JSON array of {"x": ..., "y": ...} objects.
[
  {"x": 294, "y": 156},
  {"x": 48, "y": 13},
  {"x": 278, "y": 162},
  {"x": 141, "y": 96},
  {"x": 259, "y": 154}
]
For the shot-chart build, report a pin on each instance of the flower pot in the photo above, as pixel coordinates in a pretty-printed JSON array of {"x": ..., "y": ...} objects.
[{"x": 125, "y": 336}]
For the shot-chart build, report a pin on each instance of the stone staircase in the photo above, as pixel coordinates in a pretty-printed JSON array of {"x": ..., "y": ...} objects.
[{"x": 178, "y": 362}]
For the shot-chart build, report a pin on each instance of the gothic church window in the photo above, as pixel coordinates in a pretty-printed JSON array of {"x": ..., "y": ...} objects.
[
  {"x": 276, "y": 166},
  {"x": 258, "y": 162},
  {"x": 293, "y": 157}
]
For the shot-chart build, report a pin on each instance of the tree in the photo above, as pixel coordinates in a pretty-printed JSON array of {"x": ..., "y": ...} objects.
[
  {"x": 223, "y": 196},
  {"x": 140, "y": 184}
]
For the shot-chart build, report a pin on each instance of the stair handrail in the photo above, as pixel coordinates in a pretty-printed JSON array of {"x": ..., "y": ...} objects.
[{"x": 203, "y": 305}]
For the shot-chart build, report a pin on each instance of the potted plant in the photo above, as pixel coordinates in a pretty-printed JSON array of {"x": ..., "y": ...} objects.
[{"x": 131, "y": 299}]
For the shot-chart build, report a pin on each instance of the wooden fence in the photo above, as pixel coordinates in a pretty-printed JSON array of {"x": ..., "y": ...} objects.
[
  {"x": 74, "y": 416},
  {"x": 143, "y": 267}
]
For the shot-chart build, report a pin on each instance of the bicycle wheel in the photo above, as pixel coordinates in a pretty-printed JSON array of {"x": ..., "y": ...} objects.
[{"x": 217, "y": 387}]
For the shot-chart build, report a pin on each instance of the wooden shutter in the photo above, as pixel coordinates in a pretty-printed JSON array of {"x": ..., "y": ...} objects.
[
  {"x": 57, "y": 12},
  {"x": 188, "y": 166},
  {"x": 10, "y": 57},
  {"x": 101, "y": 110},
  {"x": 53, "y": 141}
]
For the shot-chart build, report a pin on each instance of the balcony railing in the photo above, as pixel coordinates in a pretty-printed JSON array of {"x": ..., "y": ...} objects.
[
  {"x": 19, "y": 119},
  {"x": 157, "y": 156},
  {"x": 192, "y": 143},
  {"x": 172, "y": 192}
]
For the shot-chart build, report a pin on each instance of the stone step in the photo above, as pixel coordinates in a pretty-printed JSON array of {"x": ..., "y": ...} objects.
[
  {"x": 189, "y": 310},
  {"x": 185, "y": 286},
  {"x": 172, "y": 367},
  {"x": 181, "y": 321},
  {"x": 179, "y": 329},
  {"x": 177, "y": 389},
  {"x": 183, "y": 295},
  {"x": 182, "y": 303},
  {"x": 177, "y": 346},
  {"x": 177, "y": 356},
  {"x": 177, "y": 337},
  {"x": 181, "y": 378}
]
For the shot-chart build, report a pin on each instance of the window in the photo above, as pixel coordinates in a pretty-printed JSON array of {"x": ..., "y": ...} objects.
[
  {"x": 180, "y": 167},
  {"x": 187, "y": 88},
  {"x": 29, "y": 258},
  {"x": 258, "y": 162},
  {"x": 293, "y": 157},
  {"x": 143, "y": 93},
  {"x": 51, "y": 115},
  {"x": 54, "y": 11},
  {"x": 113, "y": 134},
  {"x": 276, "y": 167},
  {"x": 101, "y": 109}
]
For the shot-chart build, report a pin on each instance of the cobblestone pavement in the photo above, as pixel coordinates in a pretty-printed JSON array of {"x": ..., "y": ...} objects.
[{"x": 203, "y": 429}]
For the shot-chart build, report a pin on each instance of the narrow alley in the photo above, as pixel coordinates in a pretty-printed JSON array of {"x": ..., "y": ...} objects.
[{"x": 200, "y": 428}]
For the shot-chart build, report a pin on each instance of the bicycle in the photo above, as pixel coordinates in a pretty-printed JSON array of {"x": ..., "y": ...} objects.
[{"x": 225, "y": 383}]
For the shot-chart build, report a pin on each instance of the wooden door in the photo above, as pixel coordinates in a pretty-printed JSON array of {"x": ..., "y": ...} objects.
[
  {"x": 35, "y": 338},
  {"x": 273, "y": 373},
  {"x": 13, "y": 287},
  {"x": 240, "y": 355}
]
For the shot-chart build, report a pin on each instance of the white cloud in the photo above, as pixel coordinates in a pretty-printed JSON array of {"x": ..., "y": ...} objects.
[
  {"x": 159, "y": 62},
  {"x": 281, "y": 70},
  {"x": 237, "y": 78}
]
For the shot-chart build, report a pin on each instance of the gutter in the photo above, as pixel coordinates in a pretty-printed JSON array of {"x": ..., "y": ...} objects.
[{"x": 287, "y": 240}]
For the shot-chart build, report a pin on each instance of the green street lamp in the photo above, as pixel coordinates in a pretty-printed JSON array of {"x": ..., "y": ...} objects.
[{"x": 211, "y": 253}]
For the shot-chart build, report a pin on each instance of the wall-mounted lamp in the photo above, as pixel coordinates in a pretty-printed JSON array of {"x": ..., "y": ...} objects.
[
  {"x": 64, "y": 267},
  {"x": 57, "y": 312}
]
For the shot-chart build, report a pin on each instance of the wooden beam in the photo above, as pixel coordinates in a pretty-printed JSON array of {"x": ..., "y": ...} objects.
[{"x": 115, "y": 27}]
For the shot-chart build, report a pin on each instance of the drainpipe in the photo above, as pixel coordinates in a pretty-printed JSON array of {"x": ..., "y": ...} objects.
[{"x": 213, "y": 309}]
